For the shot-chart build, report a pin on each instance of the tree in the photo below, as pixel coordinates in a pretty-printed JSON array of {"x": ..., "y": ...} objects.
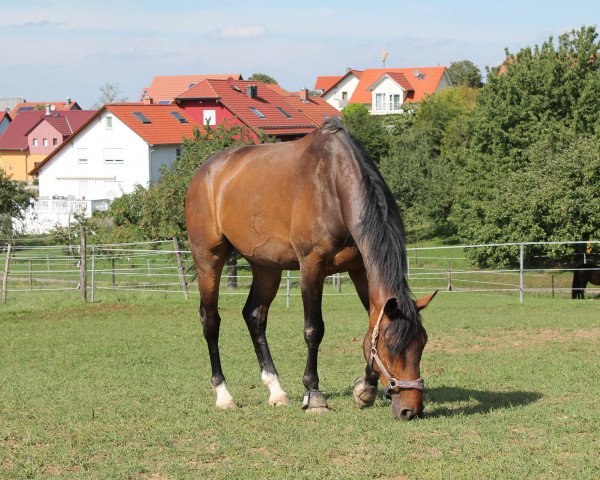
[
  {"x": 110, "y": 93},
  {"x": 262, "y": 78},
  {"x": 465, "y": 72},
  {"x": 367, "y": 129},
  {"x": 14, "y": 200},
  {"x": 537, "y": 113}
]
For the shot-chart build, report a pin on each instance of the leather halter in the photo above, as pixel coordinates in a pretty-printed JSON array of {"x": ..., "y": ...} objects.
[{"x": 394, "y": 385}]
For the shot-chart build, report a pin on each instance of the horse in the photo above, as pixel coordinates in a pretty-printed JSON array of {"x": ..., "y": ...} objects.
[
  {"x": 319, "y": 205},
  {"x": 583, "y": 274}
]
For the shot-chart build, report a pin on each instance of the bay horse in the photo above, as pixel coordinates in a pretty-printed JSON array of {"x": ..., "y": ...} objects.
[
  {"x": 583, "y": 274},
  {"x": 320, "y": 205}
]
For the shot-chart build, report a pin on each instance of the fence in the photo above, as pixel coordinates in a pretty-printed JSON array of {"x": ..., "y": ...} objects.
[{"x": 165, "y": 266}]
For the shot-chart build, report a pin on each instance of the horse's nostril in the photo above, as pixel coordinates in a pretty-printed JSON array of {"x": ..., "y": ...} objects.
[{"x": 406, "y": 414}]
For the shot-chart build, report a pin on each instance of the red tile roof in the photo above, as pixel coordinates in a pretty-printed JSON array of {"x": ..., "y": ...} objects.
[
  {"x": 163, "y": 129},
  {"x": 41, "y": 106},
  {"x": 424, "y": 81},
  {"x": 356, "y": 73},
  {"x": 4, "y": 114},
  {"x": 15, "y": 135},
  {"x": 232, "y": 94},
  {"x": 399, "y": 78},
  {"x": 325, "y": 82},
  {"x": 315, "y": 108},
  {"x": 167, "y": 87},
  {"x": 67, "y": 122}
]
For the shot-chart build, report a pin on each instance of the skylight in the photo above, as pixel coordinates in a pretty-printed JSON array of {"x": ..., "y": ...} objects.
[
  {"x": 164, "y": 102},
  {"x": 25, "y": 109},
  {"x": 257, "y": 112},
  {"x": 179, "y": 117},
  {"x": 141, "y": 117},
  {"x": 285, "y": 114},
  {"x": 192, "y": 85}
]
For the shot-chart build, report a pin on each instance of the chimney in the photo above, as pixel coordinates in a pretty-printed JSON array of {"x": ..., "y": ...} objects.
[
  {"x": 148, "y": 100},
  {"x": 48, "y": 110},
  {"x": 304, "y": 95},
  {"x": 251, "y": 91}
]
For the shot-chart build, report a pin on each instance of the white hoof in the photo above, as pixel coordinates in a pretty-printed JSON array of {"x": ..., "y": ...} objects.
[
  {"x": 278, "y": 400},
  {"x": 224, "y": 398},
  {"x": 277, "y": 395}
]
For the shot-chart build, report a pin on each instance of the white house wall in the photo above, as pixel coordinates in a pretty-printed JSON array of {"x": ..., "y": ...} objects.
[
  {"x": 66, "y": 175},
  {"x": 388, "y": 87},
  {"x": 334, "y": 96}
]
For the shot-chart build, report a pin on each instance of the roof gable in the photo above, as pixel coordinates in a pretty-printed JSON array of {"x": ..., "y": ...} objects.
[
  {"x": 15, "y": 135},
  {"x": 167, "y": 87},
  {"x": 68, "y": 122},
  {"x": 356, "y": 73},
  {"x": 424, "y": 81},
  {"x": 268, "y": 110},
  {"x": 398, "y": 78}
]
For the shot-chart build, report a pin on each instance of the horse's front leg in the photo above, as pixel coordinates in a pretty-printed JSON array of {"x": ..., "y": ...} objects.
[
  {"x": 365, "y": 387},
  {"x": 313, "y": 277}
]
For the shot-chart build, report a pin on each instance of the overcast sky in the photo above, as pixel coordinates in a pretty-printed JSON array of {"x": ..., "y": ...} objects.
[{"x": 54, "y": 49}]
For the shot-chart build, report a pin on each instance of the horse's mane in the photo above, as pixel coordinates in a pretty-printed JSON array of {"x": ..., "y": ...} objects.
[{"x": 382, "y": 232}]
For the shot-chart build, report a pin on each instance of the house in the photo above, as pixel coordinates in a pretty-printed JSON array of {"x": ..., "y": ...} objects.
[
  {"x": 164, "y": 89},
  {"x": 42, "y": 106},
  {"x": 258, "y": 106},
  {"x": 4, "y": 121},
  {"x": 120, "y": 146},
  {"x": 32, "y": 135},
  {"x": 313, "y": 107},
  {"x": 386, "y": 90}
]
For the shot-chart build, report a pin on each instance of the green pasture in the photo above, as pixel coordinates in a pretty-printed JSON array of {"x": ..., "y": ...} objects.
[{"x": 120, "y": 389}]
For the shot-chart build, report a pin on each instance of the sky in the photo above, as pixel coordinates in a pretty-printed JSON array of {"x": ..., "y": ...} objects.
[{"x": 54, "y": 49}]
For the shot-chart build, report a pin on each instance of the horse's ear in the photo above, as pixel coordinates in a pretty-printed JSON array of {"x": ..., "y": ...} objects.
[
  {"x": 423, "y": 302},
  {"x": 391, "y": 306}
]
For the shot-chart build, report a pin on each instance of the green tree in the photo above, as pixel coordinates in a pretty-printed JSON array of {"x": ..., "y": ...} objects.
[
  {"x": 262, "y": 78},
  {"x": 14, "y": 200},
  {"x": 531, "y": 116},
  {"x": 465, "y": 72},
  {"x": 368, "y": 129}
]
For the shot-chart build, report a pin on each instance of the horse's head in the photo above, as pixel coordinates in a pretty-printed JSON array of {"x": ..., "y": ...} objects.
[{"x": 393, "y": 348}]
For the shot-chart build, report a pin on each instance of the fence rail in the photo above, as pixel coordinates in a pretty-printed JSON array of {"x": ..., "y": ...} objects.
[{"x": 164, "y": 266}]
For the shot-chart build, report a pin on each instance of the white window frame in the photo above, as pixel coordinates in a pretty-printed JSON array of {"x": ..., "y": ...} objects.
[
  {"x": 108, "y": 122},
  {"x": 209, "y": 117},
  {"x": 395, "y": 106},
  {"x": 82, "y": 156},
  {"x": 380, "y": 102},
  {"x": 34, "y": 142},
  {"x": 44, "y": 142}
]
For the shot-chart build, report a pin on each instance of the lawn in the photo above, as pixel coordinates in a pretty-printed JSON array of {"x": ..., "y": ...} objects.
[{"x": 120, "y": 389}]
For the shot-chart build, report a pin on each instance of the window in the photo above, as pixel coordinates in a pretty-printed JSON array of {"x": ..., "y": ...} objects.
[
  {"x": 285, "y": 114},
  {"x": 164, "y": 102},
  {"x": 35, "y": 142},
  {"x": 45, "y": 142},
  {"x": 114, "y": 156},
  {"x": 344, "y": 96},
  {"x": 54, "y": 142},
  {"x": 379, "y": 101},
  {"x": 209, "y": 117},
  {"x": 190, "y": 85},
  {"x": 257, "y": 112},
  {"x": 395, "y": 102},
  {"x": 179, "y": 117},
  {"x": 82, "y": 156},
  {"x": 108, "y": 123},
  {"x": 141, "y": 117},
  {"x": 177, "y": 152}
]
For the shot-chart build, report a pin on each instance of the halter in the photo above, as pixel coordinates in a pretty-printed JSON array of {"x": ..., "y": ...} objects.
[{"x": 393, "y": 386}]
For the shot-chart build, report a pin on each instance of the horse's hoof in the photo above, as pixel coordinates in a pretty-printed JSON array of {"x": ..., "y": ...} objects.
[
  {"x": 317, "y": 409},
  {"x": 278, "y": 401},
  {"x": 226, "y": 405},
  {"x": 314, "y": 402},
  {"x": 364, "y": 393}
]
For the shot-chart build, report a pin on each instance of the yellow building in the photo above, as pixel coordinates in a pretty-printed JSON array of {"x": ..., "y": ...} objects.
[{"x": 17, "y": 163}]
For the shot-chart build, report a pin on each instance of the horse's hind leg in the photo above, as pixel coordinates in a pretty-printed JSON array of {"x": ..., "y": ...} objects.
[
  {"x": 262, "y": 292},
  {"x": 209, "y": 275}
]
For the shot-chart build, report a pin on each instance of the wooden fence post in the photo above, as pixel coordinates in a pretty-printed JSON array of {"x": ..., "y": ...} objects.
[
  {"x": 521, "y": 272},
  {"x": 112, "y": 262},
  {"x": 287, "y": 289},
  {"x": 5, "y": 277},
  {"x": 93, "y": 272},
  {"x": 449, "y": 276},
  {"x": 30, "y": 277},
  {"x": 180, "y": 269},
  {"x": 83, "y": 265},
  {"x": 552, "y": 285}
]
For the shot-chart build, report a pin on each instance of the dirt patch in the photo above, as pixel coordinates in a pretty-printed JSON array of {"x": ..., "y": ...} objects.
[{"x": 501, "y": 339}]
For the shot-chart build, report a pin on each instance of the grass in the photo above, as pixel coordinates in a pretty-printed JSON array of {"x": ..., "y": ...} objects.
[{"x": 120, "y": 389}]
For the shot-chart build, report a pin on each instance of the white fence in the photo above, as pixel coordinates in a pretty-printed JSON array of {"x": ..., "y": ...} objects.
[{"x": 164, "y": 266}]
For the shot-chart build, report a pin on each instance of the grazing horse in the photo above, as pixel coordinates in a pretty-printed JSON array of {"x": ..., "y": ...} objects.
[
  {"x": 583, "y": 274},
  {"x": 320, "y": 205}
]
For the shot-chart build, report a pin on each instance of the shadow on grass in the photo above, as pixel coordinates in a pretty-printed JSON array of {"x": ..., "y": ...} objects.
[
  {"x": 479, "y": 401},
  {"x": 486, "y": 401}
]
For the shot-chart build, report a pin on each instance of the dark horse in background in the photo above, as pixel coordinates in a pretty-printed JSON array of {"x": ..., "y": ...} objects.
[
  {"x": 582, "y": 275},
  {"x": 320, "y": 205}
]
